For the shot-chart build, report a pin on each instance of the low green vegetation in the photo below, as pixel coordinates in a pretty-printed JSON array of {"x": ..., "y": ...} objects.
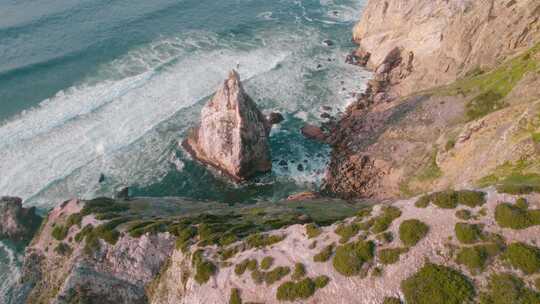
[
  {"x": 346, "y": 232},
  {"x": 476, "y": 258},
  {"x": 506, "y": 288},
  {"x": 519, "y": 183},
  {"x": 250, "y": 264},
  {"x": 270, "y": 277},
  {"x": 391, "y": 300},
  {"x": 293, "y": 291},
  {"x": 63, "y": 249},
  {"x": 74, "y": 219},
  {"x": 59, "y": 232},
  {"x": 412, "y": 231},
  {"x": 516, "y": 216},
  {"x": 204, "y": 269},
  {"x": 299, "y": 271},
  {"x": 437, "y": 284},
  {"x": 390, "y": 255},
  {"x": 363, "y": 213},
  {"x": 263, "y": 240},
  {"x": 267, "y": 262},
  {"x": 385, "y": 237},
  {"x": 523, "y": 257},
  {"x": 431, "y": 170},
  {"x": 350, "y": 258},
  {"x": 450, "y": 199},
  {"x": 103, "y": 206},
  {"x": 383, "y": 221},
  {"x": 235, "y": 296},
  {"x": 463, "y": 214},
  {"x": 522, "y": 203},
  {"x": 325, "y": 254},
  {"x": 312, "y": 231},
  {"x": 537, "y": 283},
  {"x": 468, "y": 233}
]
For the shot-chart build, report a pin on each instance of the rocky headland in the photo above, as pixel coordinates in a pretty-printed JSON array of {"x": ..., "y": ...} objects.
[{"x": 437, "y": 160}]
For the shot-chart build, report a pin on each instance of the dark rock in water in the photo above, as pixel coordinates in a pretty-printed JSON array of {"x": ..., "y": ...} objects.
[
  {"x": 101, "y": 178},
  {"x": 283, "y": 163},
  {"x": 319, "y": 66},
  {"x": 328, "y": 42},
  {"x": 326, "y": 108},
  {"x": 300, "y": 167},
  {"x": 17, "y": 223},
  {"x": 233, "y": 133},
  {"x": 358, "y": 57},
  {"x": 275, "y": 118},
  {"x": 313, "y": 132},
  {"x": 123, "y": 194},
  {"x": 326, "y": 116}
]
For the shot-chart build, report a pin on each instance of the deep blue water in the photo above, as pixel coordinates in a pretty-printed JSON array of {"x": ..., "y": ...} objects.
[{"x": 110, "y": 87}]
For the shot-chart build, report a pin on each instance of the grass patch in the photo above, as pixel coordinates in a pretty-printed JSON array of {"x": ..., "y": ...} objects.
[
  {"x": 437, "y": 284},
  {"x": 523, "y": 257},
  {"x": 476, "y": 258},
  {"x": 390, "y": 255},
  {"x": 235, "y": 296},
  {"x": 391, "y": 300},
  {"x": 382, "y": 222},
  {"x": 450, "y": 199},
  {"x": 59, "y": 232},
  {"x": 431, "y": 170},
  {"x": 299, "y": 271},
  {"x": 518, "y": 183},
  {"x": 270, "y": 277},
  {"x": 74, "y": 219},
  {"x": 325, "y": 254},
  {"x": 468, "y": 233},
  {"x": 293, "y": 291},
  {"x": 263, "y": 240},
  {"x": 63, "y": 249},
  {"x": 250, "y": 264},
  {"x": 267, "y": 262},
  {"x": 204, "y": 269},
  {"x": 349, "y": 258},
  {"x": 312, "y": 231},
  {"x": 346, "y": 232},
  {"x": 412, "y": 231},
  {"x": 516, "y": 216},
  {"x": 506, "y": 288},
  {"x": 483, "y": 104}
]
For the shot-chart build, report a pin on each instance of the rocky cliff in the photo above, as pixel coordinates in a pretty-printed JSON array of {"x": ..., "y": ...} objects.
[
  {"x": 17, "y": 223},
  {"x": 450, "y": 105},
  {"x": 233, "y": 133}
]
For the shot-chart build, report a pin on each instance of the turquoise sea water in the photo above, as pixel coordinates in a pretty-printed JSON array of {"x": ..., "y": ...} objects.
[{"x": 95, "y": 87}]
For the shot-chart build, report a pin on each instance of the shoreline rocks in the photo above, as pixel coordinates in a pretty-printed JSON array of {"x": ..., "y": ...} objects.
[
  {"x": 17, "y": 223},
  {"x": 233, "y": 134}
]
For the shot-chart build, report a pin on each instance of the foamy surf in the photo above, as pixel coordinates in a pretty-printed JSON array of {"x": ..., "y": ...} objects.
[{"x": 9, "y": 274}]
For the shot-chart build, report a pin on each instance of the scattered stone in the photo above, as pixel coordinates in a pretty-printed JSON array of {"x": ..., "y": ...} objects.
[
  {"x": 283, "y": 163},
  {"x": 233, "y": 133},
  {"x": 17, "y": 223}
]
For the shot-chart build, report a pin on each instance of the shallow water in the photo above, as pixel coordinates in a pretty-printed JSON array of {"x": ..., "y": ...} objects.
[{"x": 97, "y": 87}]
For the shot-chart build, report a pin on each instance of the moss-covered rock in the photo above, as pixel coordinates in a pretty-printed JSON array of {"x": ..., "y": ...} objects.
[
  {"x": 412, "y": 231},
  {"x": 437, "y": 284},
  {"x": 349, "y": 258}
]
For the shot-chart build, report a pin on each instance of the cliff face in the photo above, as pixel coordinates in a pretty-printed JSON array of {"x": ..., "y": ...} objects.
[
  {"x": 446, "y": 106},
  {"x": 446, "y": 39},
  {"x": 17, "y": 223}
]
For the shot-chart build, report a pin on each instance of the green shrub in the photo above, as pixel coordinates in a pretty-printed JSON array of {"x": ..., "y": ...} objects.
[
  {"x": 474, "y": 258},
  {"x": 349, "y": 258},
  {"x": 471, "y": 198},
  {"x": 390, "y": 255},
  {"x": 522, "y": 203},
  {"x": 514, "y": 217},
  {"x": 450, "y": 199},
  {"x": 204, "y": 269},
  {"x": 468, "y": 233},
  {"x": 463, "y": 214},
  {"x": 239, "y": 269},
  {"x": 312, "y": 231},
  {"x": 184, "y": 235},
  {"x": 537, "y": 283},
  {"x": 383, "y": 221},
  {"x": 292, "y": 291},
  {"x": 412, "y": 231},
  {"x": 74, "y": 219},
  {"x": 519, "y": 184},
  {"x": 83, "y": 233},
  {"x": 364, "y": 212},
  {"x": 484, "y": 104},
  {"x": 59, "y": 232},
  {"x": 235, "y": 296},
  {"x": 385, "y": 237},
  {"x": 267, "y": 262},
  {"x": 103, "y": 205},
  {"x": 445, "y": 199},
  {"x": 389, "y": 300},
  {"x": 63, "y": 249},
  {"x": 321, "y": 281},
  {"x": 346, "y": 232},
  {"x": 276, "y": 274},
  {"x": 423, "y": 201},
  {"x": 262, "y": 240},
  {"x": 325, "y": 254},
  {"x": 508, "y": 289},
  {"x": 523, "y": 257},
  {"x": 299, "y": 271},
  {"x": 437, "y": 284}
]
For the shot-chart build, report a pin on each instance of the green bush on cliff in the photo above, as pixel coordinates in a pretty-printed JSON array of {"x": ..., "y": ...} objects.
[
  {"x": 267, "y": 262},
  {"x": 312, "y": 231},
  {"x": 389, "y": 300},
  {"x": 102, "y": 205},
  {"x": 74, "y": 219},
  {"x": 263, "y": 240},
  {"x": 412, "y": 231},
  {"x": 321, "y": 281},
  {"x": 390, "y": 255},
  {"x": 523, "y": 257},
  {"x": 450, "y": 199},
  {"x": 294, "y": 291},
  {"x": 349, "y": 258},
  {"x": 383, "y": 221},
  {"x": 250, "y": 264},
  {"x": 475, "y": 258},
  {"x": 437, "y": 284},
  {"x": 271, "y": 276},
  {"x": 346, "y": 232},
  {"x": 516, "y": 217},
  {"x": 463, "y": 214},
  {"x": 59, "y": 232},
  {"x": 468, "y": 233},
  {"x": 506, "y": 288},
  {"x": 184, "y": 236},
  {"x": 235, "y": 296},
  {"x": 63, "y": 249},
  {"x": 484, "y": 104},
  {"x": 299, "y": 271},
  {"x": 518, "y": 183},
  {"x": 204, "y": 269},
  {"x": 325, "y": 254}
]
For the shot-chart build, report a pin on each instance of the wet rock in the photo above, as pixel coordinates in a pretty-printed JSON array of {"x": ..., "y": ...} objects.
[
  {"x": 233, "y": 133},
  {"x": 101, "y": 178},
  {"x": 300, "y": 167},
  {"x": 326, "y": 116},
  {"x": 17, "y": 223},
  {"x": 123, "y": 194},
  {"x": 313, "y": 132},
  {"x": 275, "y": 118},
  {"x": 283, "y": 163},
  {"x": 326, "y": 108},
  {"x": 328, "y": 42},
  {"x": 301, "y": 196}
]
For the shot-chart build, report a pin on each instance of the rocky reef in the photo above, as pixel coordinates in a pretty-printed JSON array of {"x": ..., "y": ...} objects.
[
  {"x": 17, "y": 224},
  {"x": 233, "y": 133}
]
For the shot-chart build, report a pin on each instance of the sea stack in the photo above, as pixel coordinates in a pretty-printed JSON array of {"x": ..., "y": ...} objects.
[
  {"x": 233, "y": 133},
  {"x": 17, "y": 223}
]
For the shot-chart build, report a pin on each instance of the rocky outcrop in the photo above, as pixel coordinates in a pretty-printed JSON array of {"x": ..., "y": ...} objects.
[
  {"x": 233, "y": 133},
  {"x": 17, "y": 223}
]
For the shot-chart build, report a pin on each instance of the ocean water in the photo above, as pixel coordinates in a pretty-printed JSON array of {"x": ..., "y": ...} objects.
[{"x": 95, "y": 87}]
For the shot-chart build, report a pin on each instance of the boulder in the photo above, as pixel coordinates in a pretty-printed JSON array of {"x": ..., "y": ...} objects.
[
  {"x": 233, "y": 134},
  {"x": 313, "y": 132},
  {"x": 275, "y": 118},
  {"x": 17, "y": 223}
]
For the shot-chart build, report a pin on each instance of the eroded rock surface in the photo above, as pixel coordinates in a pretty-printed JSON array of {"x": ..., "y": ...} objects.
[
  {"x": 233, "y": 133},
  {"x": 17, "y": 223}
]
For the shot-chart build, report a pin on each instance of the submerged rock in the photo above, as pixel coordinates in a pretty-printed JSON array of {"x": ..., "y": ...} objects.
[
  {"x": 233, "y": 133},
  {"x": 17, "y": 223},
  {"x": 313, "y": 132}
]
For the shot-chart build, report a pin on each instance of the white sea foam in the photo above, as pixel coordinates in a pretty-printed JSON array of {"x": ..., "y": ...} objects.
[{"x": 9, "y": 273}]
